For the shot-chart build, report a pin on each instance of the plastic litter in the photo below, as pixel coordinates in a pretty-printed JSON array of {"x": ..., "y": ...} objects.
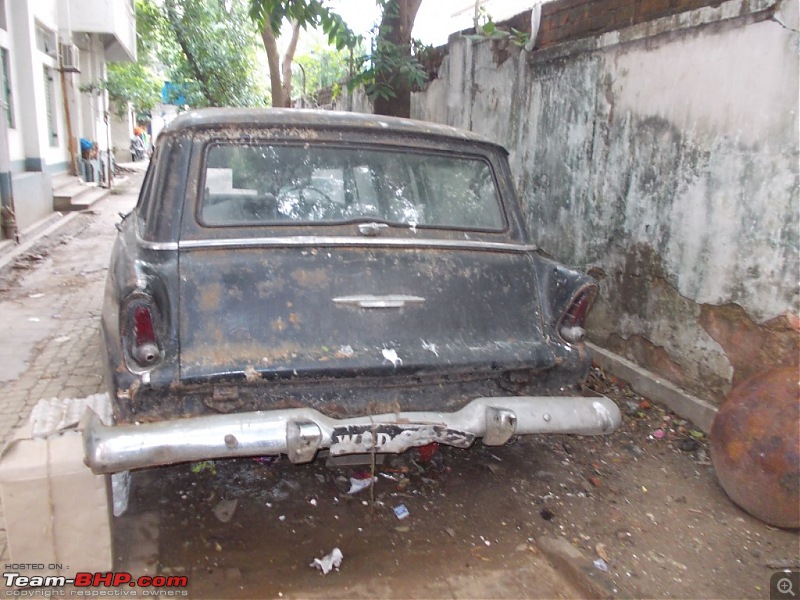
[
  {"x": 327, "y": 563},
  {"x": 427, "y": 451},
  {"x": 601, "y": 564},
  {"x": 401, "y": 512},
  {"x": 658, "y": 434},
  {"x": 224, "y": 510},
  {"x": 357, "y": 485}
]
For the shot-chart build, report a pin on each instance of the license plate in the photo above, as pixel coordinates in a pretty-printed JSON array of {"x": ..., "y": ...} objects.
[{"x": 393, "y": 438}]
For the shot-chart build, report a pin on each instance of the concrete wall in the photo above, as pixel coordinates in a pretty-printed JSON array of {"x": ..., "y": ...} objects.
[
  {"x": 33, "y": 156},
  {"x": 663, "y": 159}
]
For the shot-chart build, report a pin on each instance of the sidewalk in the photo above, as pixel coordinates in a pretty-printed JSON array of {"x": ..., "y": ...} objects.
[{"x": 50, "y": 300}]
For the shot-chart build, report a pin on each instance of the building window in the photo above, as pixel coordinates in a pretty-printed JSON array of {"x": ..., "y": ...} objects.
[
  {"x": 5, "y": 67},
  {"x": 49, "y": 99},
  {"x": 46, "y": 40}
]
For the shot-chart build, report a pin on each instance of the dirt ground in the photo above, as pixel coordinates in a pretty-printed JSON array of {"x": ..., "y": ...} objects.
[{"x": 648, "y": 506}]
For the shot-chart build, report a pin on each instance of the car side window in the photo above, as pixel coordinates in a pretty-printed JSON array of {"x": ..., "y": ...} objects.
[{"x": 145, "y": 192}]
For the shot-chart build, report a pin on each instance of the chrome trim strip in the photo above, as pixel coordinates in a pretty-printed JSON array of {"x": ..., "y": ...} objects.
[
  {"x": 372, "y": 301},
  {"x": 148, "y": 244},
  {"x": 158, "y": 245},
  {"x": 334, "y": 241}
]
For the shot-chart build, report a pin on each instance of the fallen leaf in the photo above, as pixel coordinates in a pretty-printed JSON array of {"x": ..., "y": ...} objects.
[{"x": 601, "y": 551}]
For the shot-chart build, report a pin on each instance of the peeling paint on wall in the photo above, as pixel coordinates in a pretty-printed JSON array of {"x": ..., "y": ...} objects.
[{"x": 668, "y": 165}]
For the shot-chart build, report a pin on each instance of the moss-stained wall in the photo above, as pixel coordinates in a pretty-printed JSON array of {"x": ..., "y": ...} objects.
[{"x": 663, "y": 158}]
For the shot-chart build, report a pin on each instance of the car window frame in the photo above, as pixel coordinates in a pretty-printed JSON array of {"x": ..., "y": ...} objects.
[{"x": 322, "y": 226}]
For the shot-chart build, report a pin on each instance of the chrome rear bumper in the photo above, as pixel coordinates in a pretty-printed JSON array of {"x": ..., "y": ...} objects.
[{"x": 302, "y": 432}]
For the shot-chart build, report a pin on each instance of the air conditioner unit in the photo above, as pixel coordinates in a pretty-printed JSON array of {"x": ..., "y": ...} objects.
[{"x": 68, "y": 57}]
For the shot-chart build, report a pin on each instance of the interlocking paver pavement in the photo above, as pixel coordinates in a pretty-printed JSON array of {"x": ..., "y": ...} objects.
[{"x": 50, "y": 306}]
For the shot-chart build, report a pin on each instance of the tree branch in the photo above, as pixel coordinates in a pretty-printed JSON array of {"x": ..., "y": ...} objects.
[
  {"x": 287, "y": 63},
  {"x": 273, "y": 60},
  {"x": 174, "y": 23}
]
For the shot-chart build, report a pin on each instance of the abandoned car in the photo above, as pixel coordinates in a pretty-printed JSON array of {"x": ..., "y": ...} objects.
[{"x": 295, "y": 281}]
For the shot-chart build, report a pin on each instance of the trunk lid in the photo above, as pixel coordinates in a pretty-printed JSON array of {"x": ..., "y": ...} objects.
[{"x": 356, "y": 310}]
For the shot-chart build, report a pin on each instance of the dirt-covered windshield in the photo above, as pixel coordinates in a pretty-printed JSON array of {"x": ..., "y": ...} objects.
[{"x": 291, "y": 184}]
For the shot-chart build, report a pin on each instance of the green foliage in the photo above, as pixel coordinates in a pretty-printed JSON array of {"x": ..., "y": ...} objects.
[
  {"x": 308, "y": 13},
  {"x": 204, "y": 47},
  {"x": 488, "y": 29},
  {"x": 208, "y": 50},
  {"x": 323, "y": 66},
  {"x": 134, "y": 83},
  {"x": 390, "y": 66}
]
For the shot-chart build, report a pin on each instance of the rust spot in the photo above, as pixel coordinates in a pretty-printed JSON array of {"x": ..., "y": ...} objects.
[
  {"x": 264, "y": 289},
  {"x": 210, "y": 297},
  {"x": 251, "y": 374},
  {"x": 294, "y": 318},
  {"x": 313, "y": 279},
  {"x": 281, "y": 353}
]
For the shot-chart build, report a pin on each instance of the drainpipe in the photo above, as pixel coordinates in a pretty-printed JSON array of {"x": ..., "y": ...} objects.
[
  {"x": 107, "y": 117},
  {"x": 71, "y": 146},
  {"x": 10, "y": 231},
  {"x": 65, "y": 37}
]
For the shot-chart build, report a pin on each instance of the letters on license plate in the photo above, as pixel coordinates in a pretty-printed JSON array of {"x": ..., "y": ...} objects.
[{"x": 382, "y": 437}]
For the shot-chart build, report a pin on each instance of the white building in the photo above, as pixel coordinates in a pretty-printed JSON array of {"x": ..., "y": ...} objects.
[{"x": 48, "y": 50}]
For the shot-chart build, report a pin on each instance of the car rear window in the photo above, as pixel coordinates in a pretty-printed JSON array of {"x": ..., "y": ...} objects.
[{"x": 285, "y": 184}]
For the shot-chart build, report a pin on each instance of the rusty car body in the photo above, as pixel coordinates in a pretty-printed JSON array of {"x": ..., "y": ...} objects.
[{"x": 294, "y": 281}]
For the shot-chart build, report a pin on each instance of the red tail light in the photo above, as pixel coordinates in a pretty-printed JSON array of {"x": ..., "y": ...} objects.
[
  {"x": 571, "y": 326},
  {"x": 142, "y": 332},
  {"x": 576, "y": 313}
]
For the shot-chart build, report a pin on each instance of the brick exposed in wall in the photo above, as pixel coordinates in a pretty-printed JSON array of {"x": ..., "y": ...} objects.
[{"x": 565, "y": 20}]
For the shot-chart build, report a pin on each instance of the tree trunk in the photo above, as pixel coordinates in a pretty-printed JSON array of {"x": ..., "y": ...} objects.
[
  {"x": 287, "y": 64},
  {"x": 396, "y": 25},
  {"x": 274, "y": 61}
]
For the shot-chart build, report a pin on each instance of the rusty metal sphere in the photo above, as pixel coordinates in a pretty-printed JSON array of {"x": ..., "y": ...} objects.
[{"x": 755, "y": 447}]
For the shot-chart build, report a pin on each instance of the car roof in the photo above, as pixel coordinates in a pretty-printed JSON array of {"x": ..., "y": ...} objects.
[{"x": 213, "y": 118}]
